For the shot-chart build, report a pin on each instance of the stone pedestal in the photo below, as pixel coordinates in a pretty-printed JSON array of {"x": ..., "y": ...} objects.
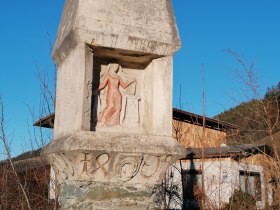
[
  {"x": 109, "y": 171},
  {"x": 131, "y": 119},
  {"x": 113, "y": 116}
]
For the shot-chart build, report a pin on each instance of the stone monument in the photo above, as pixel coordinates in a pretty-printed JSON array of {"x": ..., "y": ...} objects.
[{"x": 113, "y": 116}]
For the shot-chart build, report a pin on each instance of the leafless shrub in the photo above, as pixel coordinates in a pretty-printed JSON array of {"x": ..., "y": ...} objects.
[{"x": 259, "y": 119}]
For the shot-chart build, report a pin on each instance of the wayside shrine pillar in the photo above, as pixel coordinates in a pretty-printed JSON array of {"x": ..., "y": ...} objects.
[{"x": 113, "y": 117}]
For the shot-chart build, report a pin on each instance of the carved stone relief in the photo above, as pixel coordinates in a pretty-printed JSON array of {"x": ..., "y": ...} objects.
[
  {"x": 101, "y": 164},
  {"x": 85, "y": 162},
  {"x": 104, "y": 166},
  {"x": 129, "y": 167},
  {"x": 118, "y": 104}
]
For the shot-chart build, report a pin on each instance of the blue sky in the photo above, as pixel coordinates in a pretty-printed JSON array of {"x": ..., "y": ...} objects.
[{"x": 207, "y": 29}]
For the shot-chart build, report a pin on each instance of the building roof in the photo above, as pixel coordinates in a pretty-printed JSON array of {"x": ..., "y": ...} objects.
[
  {"x": 192, "y": 118},
  {"x": 46, "y": 122},
  {"x": 238, "y": 151},
  {"x": 181, "y": 115}
]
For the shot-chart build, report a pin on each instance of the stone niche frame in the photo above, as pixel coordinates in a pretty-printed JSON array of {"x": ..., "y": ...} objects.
[
  {"x": 136, "y": 35},
  {"x": 101, "y": 58},
  {"x": 149, "y": 70}
]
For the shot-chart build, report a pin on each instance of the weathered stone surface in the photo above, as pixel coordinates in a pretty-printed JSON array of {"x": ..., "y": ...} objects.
[
  {"x": 140, "y": 26},
  {"x": 92, "y": 195},
  {"x": 79, "y": 76},
  {"x": 115, "y": 142},
  {"x": 113, "y": 124},
  {"x": 109, "y": 171}
]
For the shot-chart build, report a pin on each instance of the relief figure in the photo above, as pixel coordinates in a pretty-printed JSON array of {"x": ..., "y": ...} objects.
[{"x": 112, "y": 81}]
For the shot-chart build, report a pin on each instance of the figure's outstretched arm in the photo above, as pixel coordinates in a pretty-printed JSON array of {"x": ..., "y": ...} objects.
[{"x": 124, "y": 84}]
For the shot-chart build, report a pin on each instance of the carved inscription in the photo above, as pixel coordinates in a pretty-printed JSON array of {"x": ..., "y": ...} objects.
[
  {"x": 150, "y": 166},
  {"x": 85, "y": 165},
  {"x": 68, "y": 164},
  {"x": 129, "y": 167},
  {"x": 118, "y": 167},
  {"x": 101, "y": 162},
  {"x": 144, "y": 166}
]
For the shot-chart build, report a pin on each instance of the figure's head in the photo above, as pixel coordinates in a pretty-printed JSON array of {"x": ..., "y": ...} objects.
[{"x": 114, "y": 67}]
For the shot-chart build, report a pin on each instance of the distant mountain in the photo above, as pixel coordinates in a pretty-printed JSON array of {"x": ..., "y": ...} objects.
[
  {"x": 29, "y": 154},
  {"x": 257, "y": 118}
]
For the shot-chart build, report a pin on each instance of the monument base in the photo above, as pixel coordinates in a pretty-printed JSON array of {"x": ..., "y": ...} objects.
[
  {"x": 103, "y": 196},
  {"x": 110, "y": 171}
]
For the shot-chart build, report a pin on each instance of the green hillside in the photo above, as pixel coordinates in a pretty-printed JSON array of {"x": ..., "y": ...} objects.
[{"x": 256, "y": 118}]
